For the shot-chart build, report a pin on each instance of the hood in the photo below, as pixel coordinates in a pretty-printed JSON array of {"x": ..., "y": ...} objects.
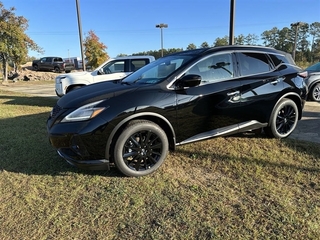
[
  {"x": 94, "y": 92},
  {"x": 76, "y": 74}
]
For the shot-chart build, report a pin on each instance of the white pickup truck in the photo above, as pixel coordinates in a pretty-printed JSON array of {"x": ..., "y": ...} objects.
[{"x": 112, "y": 69}]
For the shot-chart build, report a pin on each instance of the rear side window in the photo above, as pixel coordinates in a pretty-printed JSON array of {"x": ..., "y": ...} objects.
[
  {"x": 253, "y": 63},
  {"x": 278, "y": 59},
  {"x": 57, "y": 60},
  {"x": 138, "y": 63}
]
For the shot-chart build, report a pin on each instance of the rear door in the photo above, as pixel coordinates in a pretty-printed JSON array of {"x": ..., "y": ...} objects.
[{"x": 261, "y": 84}]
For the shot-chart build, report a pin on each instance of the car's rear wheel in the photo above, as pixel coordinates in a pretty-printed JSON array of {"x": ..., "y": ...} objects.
[
  {"x": 56, "y": 69},
  {"x": 141, "y": 148},
  {"x": 315, "y": 92},
  {"x": 283, "y": 120}
]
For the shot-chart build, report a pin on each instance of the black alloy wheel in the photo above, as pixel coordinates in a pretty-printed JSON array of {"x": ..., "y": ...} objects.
[
  {"x": 315, "y": 92},
  {"x": 141, "y": 148},
  {"x": 283, "y": 120}
]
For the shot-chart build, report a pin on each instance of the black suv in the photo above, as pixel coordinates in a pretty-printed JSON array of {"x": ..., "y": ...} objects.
[{"x": 180, "y": 98}]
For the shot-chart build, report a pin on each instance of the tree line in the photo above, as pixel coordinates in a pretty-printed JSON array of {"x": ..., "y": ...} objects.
[{"x": 301, "y": 39}]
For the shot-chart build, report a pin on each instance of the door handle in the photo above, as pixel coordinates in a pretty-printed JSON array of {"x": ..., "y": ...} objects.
[
  {"x": 277, "y": 80},
  {"x": 230, "y": 94}
]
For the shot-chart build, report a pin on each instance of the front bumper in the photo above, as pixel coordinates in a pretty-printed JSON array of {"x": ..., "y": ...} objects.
[{"x": 101, "y": 164}]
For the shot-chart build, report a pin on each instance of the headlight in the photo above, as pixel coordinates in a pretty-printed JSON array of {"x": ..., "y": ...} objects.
[
  {"x": 84, "y": 113},
  {"x": 59, "y": 78}
]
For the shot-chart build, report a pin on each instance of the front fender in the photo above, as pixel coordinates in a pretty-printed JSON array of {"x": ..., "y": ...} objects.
[{"x": 157, "y": 118}]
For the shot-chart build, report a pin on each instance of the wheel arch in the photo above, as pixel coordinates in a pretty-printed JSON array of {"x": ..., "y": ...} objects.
[
  {"x": 72, "y": 86},
  {"x": 295, "y": 98},
  {"x": 153, "y": 117}
]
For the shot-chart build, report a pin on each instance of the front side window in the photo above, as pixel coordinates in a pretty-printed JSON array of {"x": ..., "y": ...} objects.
[
  {"x": 214, "y": 68},
  {"x": 113, "y": 67},
  {"x": 253, "y": 63}
]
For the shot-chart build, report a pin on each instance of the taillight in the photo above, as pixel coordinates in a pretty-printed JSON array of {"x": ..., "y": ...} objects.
[{"x": 303, "y": 74}]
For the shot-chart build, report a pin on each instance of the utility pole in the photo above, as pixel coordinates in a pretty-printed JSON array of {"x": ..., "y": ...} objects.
[
  {"x": 231, "y": 28},
  {"x": 80, "y": 36},
  {"x": 296, "y": 25}
]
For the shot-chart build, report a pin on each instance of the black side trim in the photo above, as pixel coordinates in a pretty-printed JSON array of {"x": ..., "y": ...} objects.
[{"x": 226, "y": 131}]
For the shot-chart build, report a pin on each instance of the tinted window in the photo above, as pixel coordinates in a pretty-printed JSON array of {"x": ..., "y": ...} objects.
[
  {"x": 253, "y": 63},
  {"x": 315, "y": 67},
  {"x": 138, "y": 63},
  {"x": 158, "y": 70},
  {"x": 214, "y": 68},
  {"x": 114, "y": 67},
  {"x": 278, "y": 59}
]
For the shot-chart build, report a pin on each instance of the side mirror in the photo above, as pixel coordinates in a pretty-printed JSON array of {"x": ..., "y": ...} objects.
[{"x": 190, "y": 80}]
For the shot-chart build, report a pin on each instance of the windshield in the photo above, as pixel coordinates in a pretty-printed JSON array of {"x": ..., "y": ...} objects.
[
  {"x": 315, "y": 67},
  {"x": 158, "y": 70}
]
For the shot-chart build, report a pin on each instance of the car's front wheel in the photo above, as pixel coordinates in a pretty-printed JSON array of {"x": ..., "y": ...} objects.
[
  {"x": 141, "y": 148},
  {"x": 35, "y": 67},
  {"x": 315, "y": 92},
  {"x": 283, "y": 120}
]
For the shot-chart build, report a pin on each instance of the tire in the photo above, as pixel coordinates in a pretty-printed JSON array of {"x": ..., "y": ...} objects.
[
  {"x": 56, "y": 69},
  {"x": 35, "y": 67},
  {"x": 283, "y": 120},
  {"x": 315, "y": 93},
  {"x": 140, "y": 149}
]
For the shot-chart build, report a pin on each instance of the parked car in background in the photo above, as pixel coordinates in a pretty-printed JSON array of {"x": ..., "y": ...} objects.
[
  {"x": 313, "y": 82},
  {"x": 55, "y": 64},
  {"x": 112, "y": 69},
  {"x": 178, "y": 99}
]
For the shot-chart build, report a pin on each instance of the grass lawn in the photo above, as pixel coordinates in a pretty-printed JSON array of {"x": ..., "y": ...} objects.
[{"x": 224, "y": 188}]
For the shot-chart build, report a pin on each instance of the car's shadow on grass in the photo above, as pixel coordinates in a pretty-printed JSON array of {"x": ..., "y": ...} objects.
[
  {"x": 28, "y": 100},
  {"x": 25, "y": 148}
]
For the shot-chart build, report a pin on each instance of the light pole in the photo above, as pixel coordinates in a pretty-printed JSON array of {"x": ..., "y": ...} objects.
[
  {"x": 161, "y": 25},
  {"x": 296, "y": 25},
  {"x": 231, "y": 28},
  {"x": 80, "y": 36}
]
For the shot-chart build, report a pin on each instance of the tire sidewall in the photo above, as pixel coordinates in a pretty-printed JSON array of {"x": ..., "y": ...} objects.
[
  {"x": 123, "y": 137},
  {"x": 317, "y": 85},
  {"x": 273, "y": 125}
]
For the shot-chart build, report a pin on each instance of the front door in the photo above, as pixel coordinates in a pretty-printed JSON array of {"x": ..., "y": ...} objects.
[{"x": 214, "y": 107}]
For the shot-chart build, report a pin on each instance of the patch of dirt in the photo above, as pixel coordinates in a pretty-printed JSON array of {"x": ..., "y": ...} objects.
[{"x": 27, "y": 73}]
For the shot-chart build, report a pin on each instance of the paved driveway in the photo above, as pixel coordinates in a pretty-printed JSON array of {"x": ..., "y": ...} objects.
[{"x": 41, "y": 90}]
